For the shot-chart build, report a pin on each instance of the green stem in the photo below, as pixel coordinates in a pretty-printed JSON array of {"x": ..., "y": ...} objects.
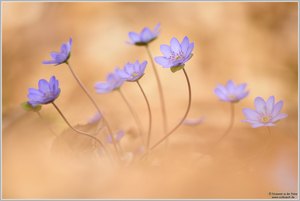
[
  {"x": 96, "y": 106},
  {"x": 184, "y": 116},
  {"x": 161, "y": 95},
  {"x": 78, "y": 131},
  {"x": 150, "y": 116},
  {"x": 134, "y": 114}
]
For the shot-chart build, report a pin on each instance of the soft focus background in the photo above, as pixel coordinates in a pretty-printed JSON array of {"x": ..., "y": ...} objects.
[{"x": 254, "y": 43}]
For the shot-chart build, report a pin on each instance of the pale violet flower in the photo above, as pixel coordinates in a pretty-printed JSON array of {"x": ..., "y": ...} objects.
[
  {"x": 62, "y": 56},
  {"x": 144, "y": 37},
  {"x": 113, "y": 82},
  {"x": 231, "y": 92},
  {"x": 132, "y": 71},
  {"x": 265, "y": 113}
]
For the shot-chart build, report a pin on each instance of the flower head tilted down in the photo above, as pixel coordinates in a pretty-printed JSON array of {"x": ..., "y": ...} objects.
[
  {"x": 46, "y": 93},
  {"x": 266, "y": 113},
  {"x": 231, "y": 92},
  {"x": 132, "y": 71},
  {"x": 62, "y": 56},
  {"x": 146, "y": 36},
  {"x": 176, "y": 55},
  {"x": 113, "y": 82}
]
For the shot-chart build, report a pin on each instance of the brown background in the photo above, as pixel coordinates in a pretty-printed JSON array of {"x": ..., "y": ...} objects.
[{"x": 246, "y": 42}]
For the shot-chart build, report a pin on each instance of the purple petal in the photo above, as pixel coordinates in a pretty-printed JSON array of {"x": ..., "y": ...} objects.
[
  {"x": 175, "y": 45},
  {"x": 146, "y": 35},
  {"x": 185, "y": 45},
  {"x": 35, "y": 92},
  {"x": 276, "y": 109},
  {"x": 49, "y": 62},
  {"x": 251, "y": 114},
  {"x": 190, "y": 49},
  {"x": 143, "y": 66},
  {"x": 43, "y": 86},
  {"x": 102, "y": 87},
  {"x": 230, "y": 86},
  {"x": 242, "y": 95},
  {"x": 156, "y": 29},
  {"x": 166, "y": 50},
  {"x": 221, "y": 95},
  {"x": 279, "y": 116},
  {"x": 257, "y": 125},
  {"x": 270, "y": 104},
  {"x": 129, "y": 68},
  {"x": 240, "y": 88},
  {"x": 134, "y": 37},
  {"x": 193, "y": 122},
  {"x": 260, "y": 105},
  {"x": 120, "y": 135},
  {"x": 164, "y": 62},
  {"x": 122, "y": 73}
]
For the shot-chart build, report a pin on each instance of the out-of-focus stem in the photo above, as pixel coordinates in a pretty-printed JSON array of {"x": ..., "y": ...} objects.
[
  {"x": 230, "y": 123},
  {"x": 134, "y": 115},
  {"x": 184, "y": 116},
  {"x": 150, "y": 117},
  {"x": 161, "y": 95},
  {"x": 78, "y": 131},
  {"x": 42, "y": 119},
  {"x": 96, "y": 106}
]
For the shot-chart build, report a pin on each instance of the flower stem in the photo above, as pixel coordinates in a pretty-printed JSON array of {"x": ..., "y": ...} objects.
[
  {"x": 78, "y": 131},
  {"x": 134, "y": 115},
  {"x": 184, "y": 116},
  {"x": 230, "y": 124},
  {"x": 150, "y": 117},
  {"x": 96, "y": 106},
  {"x": 43, "y": 120},
  {"x": 161, "y": 95}
]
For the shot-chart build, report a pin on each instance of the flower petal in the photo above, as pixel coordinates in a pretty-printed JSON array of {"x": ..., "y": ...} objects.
[
  {"x": 164, "y": 62},
  {"x": 49, "y": 62},
  {"x": 134, "y": 37},
  {"x": 257, "y": 125},
  {"x": 276, "y": 109},
  {"x": 230, "y": 86},
  {"x": 270, "y": 104},
  {"x": 251, "y": 114},
  {"x": 175, "y": 45},
  {"x": 44, "y": 86},
  {"x": 146, "y": 35},
  {"x": 166, "y": 50},
  {"x": 185, "y": 44},
  {"x": 260, "y": 105},
  {"x": 278, "y": 117},
  {"x": 189, "y": 50},
  {"x": 221, "y": 95}
]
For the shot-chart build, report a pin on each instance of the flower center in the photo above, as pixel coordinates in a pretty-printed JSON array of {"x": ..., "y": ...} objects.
[
  {"x": 232, "y": 97},
  {"x": 177, "y": 56},
  {"x": 134, "y": 74},
  {"x": 265, "y": 119}
]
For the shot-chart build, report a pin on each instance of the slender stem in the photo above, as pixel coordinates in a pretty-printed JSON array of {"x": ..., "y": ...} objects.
[
  {"x": 42, "y": 119},
  {"x": 184, "y": 116},
  {"x": 134, "y": 114},
  {"x": 96, "y": 106},
  {"x": 161, "y": 95},
  {"x": 230, "y": 123},
  {"x": 150, "y": 117},
  {"x": 78, "y": 131}
]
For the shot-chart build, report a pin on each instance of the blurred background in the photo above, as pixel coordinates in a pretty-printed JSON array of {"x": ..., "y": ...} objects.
[{"x": 256, "y": 43}]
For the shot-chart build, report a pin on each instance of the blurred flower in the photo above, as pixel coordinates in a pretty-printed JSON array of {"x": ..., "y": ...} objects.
[
  {"x": 28, "y": 107},
  {"x": 175, "y": 55},
  {"x": 113, "y": 81},
  {"x": 46, "y": 93},
  {"x": 146, "y": 36},
  {"x": 230, "y": 92},
  {"x": 266, "y": 113},
  {"x": 117, "y": 137},
  {"x": 132, "y": 71},
  {"x": 62, "y": 56},
  {"x": 94, "y": 119},
  {"x": 193, "y": 122}
]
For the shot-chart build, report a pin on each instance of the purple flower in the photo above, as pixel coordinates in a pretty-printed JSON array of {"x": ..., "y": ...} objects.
[
  {"x": 132, "y": 71},
  {"x": 266, "y": 113},
  {"x": 113, "y": 81},
  {"x": 230, "y": 92},
  {"x": 62, "y": 56},
  {"x": 175, "y": 55},
  {"x": 46, "y": 93},
  {"x": 117, "y": 137},
  {"x": 146, "y": 36}
]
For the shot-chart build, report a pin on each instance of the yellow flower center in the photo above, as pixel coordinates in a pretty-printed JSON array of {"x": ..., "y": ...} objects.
[
  {"x": 232, "y": 97},
  {"x": 134, "y": 74},
  {"x": 265, "y": 119}
]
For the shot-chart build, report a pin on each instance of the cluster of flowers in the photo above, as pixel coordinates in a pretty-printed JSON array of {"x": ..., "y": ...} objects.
[{"x": 174, "y": 57}]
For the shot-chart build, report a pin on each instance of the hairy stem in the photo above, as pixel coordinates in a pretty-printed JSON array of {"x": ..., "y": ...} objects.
[
  {"x": 96, "y": 106},
  {"x": 184, "y": 116},
  {"x": 150, "y": 117}
]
